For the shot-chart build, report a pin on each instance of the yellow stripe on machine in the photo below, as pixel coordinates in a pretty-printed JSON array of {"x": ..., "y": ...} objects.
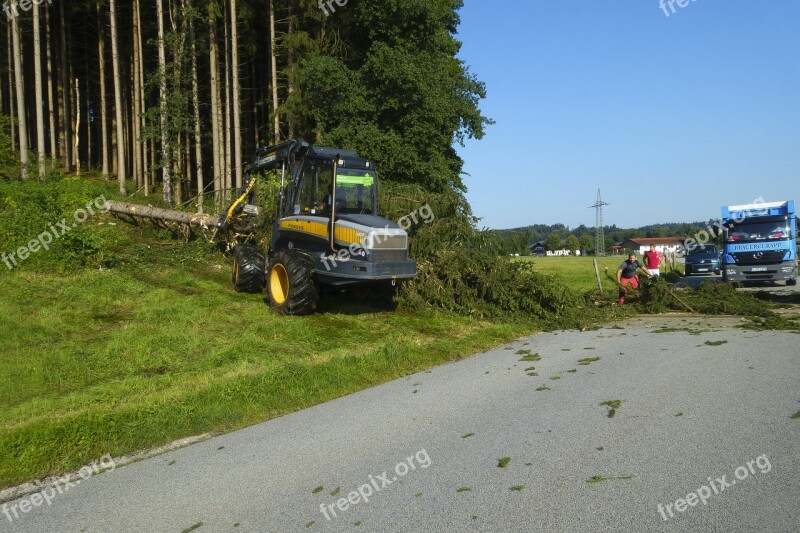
[
  {"x": 320, "y": 229},
  {"x": 306, "y": 226},
  {"x": 348, "y": 235}
]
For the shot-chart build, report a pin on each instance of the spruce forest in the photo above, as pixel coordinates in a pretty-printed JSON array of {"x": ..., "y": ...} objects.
[{"x": 171, "y": 97}]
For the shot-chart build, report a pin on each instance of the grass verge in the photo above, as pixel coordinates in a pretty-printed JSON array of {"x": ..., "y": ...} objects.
[{"x": 112, "y": 361}]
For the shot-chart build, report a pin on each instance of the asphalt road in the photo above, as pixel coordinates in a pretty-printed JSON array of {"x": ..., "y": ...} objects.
[{"x": 696, "y": 406}]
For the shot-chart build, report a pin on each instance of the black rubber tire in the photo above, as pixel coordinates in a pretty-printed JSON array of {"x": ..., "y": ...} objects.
[
  {"x": 790, "y": 282},
  {"x": 249, "y": 269},
  {"x": 291, "y": 289}
]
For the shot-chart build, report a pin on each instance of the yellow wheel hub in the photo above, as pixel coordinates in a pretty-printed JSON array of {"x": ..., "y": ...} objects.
[{"x": 279, "y": 284}]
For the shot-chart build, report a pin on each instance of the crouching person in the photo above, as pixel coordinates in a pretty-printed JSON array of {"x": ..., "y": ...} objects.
[{"x": 627, "y": 276}]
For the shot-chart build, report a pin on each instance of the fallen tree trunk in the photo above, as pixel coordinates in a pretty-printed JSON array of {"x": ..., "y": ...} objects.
[{"x": 156, "y": 213}]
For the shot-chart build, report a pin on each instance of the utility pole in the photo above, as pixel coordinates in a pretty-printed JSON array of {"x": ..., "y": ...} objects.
[{"x": 599, "y": 236}]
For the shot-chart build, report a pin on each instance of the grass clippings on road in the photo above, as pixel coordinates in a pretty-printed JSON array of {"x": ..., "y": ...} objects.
[{"x": 612, "y": 406}]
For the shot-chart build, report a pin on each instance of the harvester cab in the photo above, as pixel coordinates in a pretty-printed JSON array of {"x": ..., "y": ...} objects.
[{"x": 328, "y": 232}]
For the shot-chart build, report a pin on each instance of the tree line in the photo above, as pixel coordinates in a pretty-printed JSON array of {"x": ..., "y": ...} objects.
[
  {"x": 172, "y": 96},
  {"x": 557, "y": 236}
]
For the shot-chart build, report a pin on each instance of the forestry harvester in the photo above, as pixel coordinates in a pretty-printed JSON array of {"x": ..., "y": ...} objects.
[{"x": 327, "y": 233}]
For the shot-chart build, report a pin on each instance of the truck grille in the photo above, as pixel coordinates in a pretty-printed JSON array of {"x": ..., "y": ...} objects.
[
  {"x": 379, "y": 256},
  {"x": 406, "y": 268},
  {"x": 769, "y": 275},
  {"x": 759, "y": 258}
]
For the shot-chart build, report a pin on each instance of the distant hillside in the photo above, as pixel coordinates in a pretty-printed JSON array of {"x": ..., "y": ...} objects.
[{"x": 517, "y": 240}]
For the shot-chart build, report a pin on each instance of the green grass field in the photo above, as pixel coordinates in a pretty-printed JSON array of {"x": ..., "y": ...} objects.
[
  {"x": 578, "y": 272},
  {"x": 99, "y": 361}
]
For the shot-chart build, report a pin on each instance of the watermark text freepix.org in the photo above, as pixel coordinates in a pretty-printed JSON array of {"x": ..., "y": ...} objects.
[
  {"x": 664, "y": 4},
  {"x": 716, "y": 486},
  {"x": 61, "y": 227},
  {"x": 11, "y": 10},
  {"x": 359, "y": 249},
  {"x": 715, "y": 229},
  {"x": 106, "y": 463},
  {"x": 376, "y": 484},
  {"x": 329, "y": 4}
]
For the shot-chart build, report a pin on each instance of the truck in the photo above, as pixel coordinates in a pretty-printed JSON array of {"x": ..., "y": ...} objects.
[{"x": 759, "y": 242}]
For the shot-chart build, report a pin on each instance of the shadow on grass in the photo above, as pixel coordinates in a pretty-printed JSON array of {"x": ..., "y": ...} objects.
[
  {"x": 785, "y": 298},
  {"x": 353, "y": 302}
]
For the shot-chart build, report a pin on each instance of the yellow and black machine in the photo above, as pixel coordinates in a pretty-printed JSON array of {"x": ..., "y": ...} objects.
[{"x": 328, "y": 233}]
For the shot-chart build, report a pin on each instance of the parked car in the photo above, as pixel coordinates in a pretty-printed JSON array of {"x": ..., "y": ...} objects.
[{"x": 702, "y": 259}]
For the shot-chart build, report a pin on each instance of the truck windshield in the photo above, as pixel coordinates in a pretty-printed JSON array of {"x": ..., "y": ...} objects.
[
  {"x": 759, "y": 231},
  {"x": 356, "y": 191}
]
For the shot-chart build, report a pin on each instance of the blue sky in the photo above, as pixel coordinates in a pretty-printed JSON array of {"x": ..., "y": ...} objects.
[{"x": 671, "y": 117}]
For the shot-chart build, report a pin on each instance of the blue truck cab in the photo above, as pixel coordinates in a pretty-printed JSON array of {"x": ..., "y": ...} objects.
[{"x": 759, "y": 242}]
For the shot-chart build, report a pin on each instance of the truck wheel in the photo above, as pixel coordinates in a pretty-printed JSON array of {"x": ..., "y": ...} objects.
[
  {"x": 291, "y": 289},
  {"x": 249, "y": 264},
  {"x": 791, "y": 282}
]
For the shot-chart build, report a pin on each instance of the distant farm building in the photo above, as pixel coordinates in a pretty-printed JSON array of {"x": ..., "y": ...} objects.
[
  {"x": 663, "y": 244},
  {"x": 540, "y": 248}
]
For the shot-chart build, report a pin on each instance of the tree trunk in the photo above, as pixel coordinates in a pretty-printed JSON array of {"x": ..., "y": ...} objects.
[
  {"x": 274, "y": 73},
  {"x": 178, "y": 55},
  {"x": 198, "y": 139},
  {"x": 115, "y": 66},
  {"x": 162, "y": 99},
  {"x": 52, "y": 97},
  {"x": 155, "y": 213},
  {"x": 216, "y": 143},
  {"x": 138, "y": 169},
  {"x": 228, "y": 133},
  {"x": 113, "y": 131},
  {"x": 146, "y": 178},
  {"x": 101, "y": 61},
  {"x": 89, "y": 125},
  {"x": 290, "y": 75},
  {"x": 65, "y": 91},
  {"x": 20, "y": 89},
  {"x": 237, "y": 108},
  {"x": 38, "y": 92},
  {"x": 153, "y": 164},
  {"x": 187, "y": 163},
  {"x": 255, "y": 76},
  {"x": 11, "y": 97},
  {"x": 77, "y": 126}
]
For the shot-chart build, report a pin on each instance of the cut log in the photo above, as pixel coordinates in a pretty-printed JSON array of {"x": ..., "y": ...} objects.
[{"x": 156, "y": 213}]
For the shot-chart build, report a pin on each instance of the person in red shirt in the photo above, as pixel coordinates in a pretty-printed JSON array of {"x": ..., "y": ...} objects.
[{"x": 652, "y": 260}]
